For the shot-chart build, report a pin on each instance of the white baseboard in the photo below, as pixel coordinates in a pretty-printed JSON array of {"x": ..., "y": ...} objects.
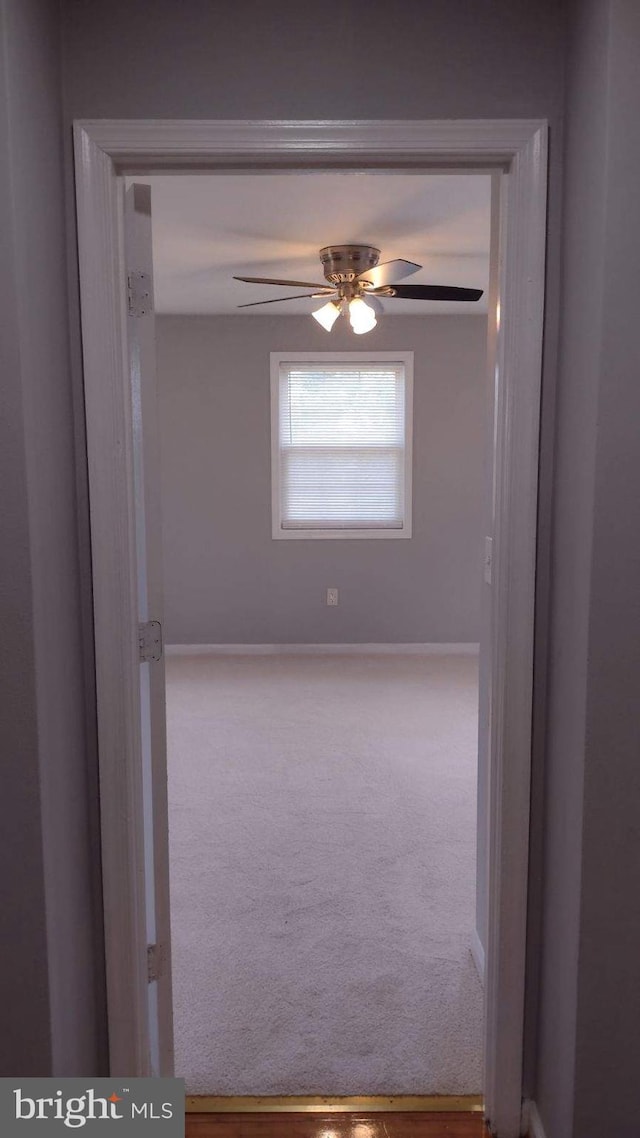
[
  {"x": 321, "y": 649},
  {"x": 531, "y": 1125},
  {"x": 477, "y": 952}
]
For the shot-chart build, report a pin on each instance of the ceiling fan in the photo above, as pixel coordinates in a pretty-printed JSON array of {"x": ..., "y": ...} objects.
[{"x": 356, "y": 282}]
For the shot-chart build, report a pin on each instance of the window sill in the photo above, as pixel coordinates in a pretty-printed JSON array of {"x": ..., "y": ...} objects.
[{"x": 341, "y": 534}]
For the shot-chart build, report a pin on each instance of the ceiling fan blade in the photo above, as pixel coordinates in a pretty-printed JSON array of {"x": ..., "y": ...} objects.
[
  {"x": 280, "y": 299},
  {"x": 295, "y": 284},
  {"x": 388, "y": 272},
  {"x": 434, "y": 292}
]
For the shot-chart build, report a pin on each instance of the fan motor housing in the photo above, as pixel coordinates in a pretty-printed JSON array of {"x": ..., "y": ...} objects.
[{"x": 343, "y": 263}]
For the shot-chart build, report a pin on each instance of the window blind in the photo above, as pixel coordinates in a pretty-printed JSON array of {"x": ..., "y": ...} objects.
[{"x": 342, "y": 445}]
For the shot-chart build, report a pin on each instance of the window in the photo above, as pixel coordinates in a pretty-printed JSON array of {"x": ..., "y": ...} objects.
[{"x": 341, "y": 444}]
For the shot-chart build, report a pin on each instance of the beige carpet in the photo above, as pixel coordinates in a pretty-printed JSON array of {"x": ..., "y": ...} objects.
[{"x": 322, "y": 834}]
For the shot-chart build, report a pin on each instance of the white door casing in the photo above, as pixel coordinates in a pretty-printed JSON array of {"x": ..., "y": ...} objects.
[{"x": 109, "y": 148}]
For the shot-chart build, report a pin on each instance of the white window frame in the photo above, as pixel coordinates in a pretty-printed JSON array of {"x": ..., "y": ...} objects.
[{"x": 355, "y": 534}]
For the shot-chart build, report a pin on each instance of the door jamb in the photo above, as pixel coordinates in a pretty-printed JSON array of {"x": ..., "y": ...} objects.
[{"x": 105, "y": 149}]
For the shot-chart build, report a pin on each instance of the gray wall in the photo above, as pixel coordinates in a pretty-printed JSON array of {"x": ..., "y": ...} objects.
[
  {"x": 447, "y": 59},
  {"x": 50, "y": 974},
  {"x": 590, "y": 995},
  {"x": 226, "y": 579},
  {"x": 444, "y": 59}
]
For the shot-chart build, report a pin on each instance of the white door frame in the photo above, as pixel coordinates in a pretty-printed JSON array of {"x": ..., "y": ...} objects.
[{"x": 105, "y": 149}]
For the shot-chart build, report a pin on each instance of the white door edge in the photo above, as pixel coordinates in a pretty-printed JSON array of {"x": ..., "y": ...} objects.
[{"x": 106, "y": 148}]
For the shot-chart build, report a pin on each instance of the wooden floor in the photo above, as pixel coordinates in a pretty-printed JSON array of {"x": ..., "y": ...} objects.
[{"x": 312, "y": 1125}]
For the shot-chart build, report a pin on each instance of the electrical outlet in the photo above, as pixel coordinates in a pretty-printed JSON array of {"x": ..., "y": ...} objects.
[{"x": 332, "y": 596}]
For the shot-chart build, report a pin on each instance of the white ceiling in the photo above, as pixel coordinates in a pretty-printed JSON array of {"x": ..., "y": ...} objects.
[{"x": 206, "y": 228}]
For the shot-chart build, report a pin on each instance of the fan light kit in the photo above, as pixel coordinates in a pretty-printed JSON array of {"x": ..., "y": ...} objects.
[{"x": 356, "y": 282}]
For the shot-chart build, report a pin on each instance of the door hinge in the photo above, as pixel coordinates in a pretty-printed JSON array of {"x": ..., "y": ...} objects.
[
  {"x": 139, "y": 294},
  {"x": 150, "y": 641},
  {"x": 155, "y": 962}
]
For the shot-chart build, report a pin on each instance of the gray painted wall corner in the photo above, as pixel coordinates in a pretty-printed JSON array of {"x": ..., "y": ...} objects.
[{"x": 61, "y": 887}]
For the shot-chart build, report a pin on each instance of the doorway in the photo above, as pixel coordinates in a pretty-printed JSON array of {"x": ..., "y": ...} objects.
[
  {"x": 104, "y": 150},
  {"x": 322, "y": 757}
]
